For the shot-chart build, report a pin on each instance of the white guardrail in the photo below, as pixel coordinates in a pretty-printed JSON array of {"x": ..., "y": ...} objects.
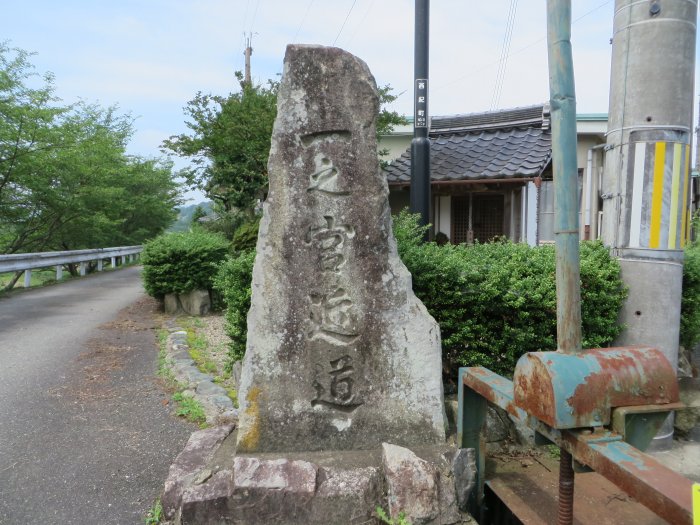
[{"x": 31, "y": 261}]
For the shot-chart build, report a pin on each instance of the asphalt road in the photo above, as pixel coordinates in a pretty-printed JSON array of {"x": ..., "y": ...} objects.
[{"x": 86, "y": 431}]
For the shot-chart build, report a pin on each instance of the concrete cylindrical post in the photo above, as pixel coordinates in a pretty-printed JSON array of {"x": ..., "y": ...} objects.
[
  {"x": 27, "y": 278},
  {"x": 645, "y": 192}
]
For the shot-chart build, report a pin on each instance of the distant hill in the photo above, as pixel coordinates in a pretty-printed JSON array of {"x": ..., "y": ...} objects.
[{"x": 184, "y": 217}]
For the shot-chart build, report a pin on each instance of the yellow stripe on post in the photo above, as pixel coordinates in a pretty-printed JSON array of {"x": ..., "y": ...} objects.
[
  {"x": 685, "y": 229},
  {"x": 675, "y": 188},
  {"x": 657, "y": 194},
  {"x": 696, "y": 503}
]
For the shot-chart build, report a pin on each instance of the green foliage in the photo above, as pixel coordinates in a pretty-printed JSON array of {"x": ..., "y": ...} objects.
[
  {"x": 496, "y": 301},
  {"x": 230, "y": 140},
  {"x": 66, "y": 181},
  {"x": 182, "y": 262},
  {"x": 386, "y": 120},
  {"x": 690, "y": 302},
  {"x": 189, "y": 408},
  {"x": 233, "y": 283},
  {"x": 493, "y": 302},
  {"x": 246, "y": 236},
  {"x": 401, "y": 519},
  {"x": 229, "y": 144},
  {"x": 155, "y": 514}
]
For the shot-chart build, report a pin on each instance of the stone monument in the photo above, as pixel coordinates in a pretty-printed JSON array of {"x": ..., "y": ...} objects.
[{"x": 341, "y": 355}]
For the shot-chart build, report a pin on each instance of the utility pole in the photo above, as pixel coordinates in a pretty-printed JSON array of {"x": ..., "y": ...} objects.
[
  {"x": 646, "y": 198},
  {"x": 420, "y": 145},
  {"x": 248, "y": 51}
]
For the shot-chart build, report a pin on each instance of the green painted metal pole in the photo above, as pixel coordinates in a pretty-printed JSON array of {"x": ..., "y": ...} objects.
[{"x": 565, "y": 168}]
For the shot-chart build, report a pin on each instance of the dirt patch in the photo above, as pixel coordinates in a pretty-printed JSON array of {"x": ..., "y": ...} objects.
[{"x": 105, "y": 355}]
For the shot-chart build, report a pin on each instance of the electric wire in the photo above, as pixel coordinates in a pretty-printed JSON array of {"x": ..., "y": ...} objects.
[
  {"x": 345, "y": 21},
  {"x": 505, "y": 51},
  {"x": 360, "y": 25},
  {"x": 308, "y": 8},
  {"x": 255, "y": 13},
  {"x": 471, "y": 74}
]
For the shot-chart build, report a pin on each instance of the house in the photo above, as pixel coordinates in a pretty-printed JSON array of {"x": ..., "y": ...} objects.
[{"x": 491, "y": 174}]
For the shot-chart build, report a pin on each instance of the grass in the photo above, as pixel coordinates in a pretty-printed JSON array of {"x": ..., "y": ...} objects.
[
  {"x": 164, "y": 370},
  {"x": 199, "y": 350},
  {"x": 190, "y": 409},
  {"x": 399, "y": 520},
  {"x": 155, "y": 514},
  {"x": 554, "y": 451}
]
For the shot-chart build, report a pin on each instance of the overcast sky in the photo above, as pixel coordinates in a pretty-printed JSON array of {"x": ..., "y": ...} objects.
[{"x": 151, "y": 56}]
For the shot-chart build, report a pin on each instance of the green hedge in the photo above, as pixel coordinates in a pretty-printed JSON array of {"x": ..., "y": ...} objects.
[
  {"x": 233, "y": 284},
  {"x": 496, "y": 301},
  {"x": 690, "y": 303},
  {"x": 182, "y": 262},
  {"x": 493, "y": 301}
]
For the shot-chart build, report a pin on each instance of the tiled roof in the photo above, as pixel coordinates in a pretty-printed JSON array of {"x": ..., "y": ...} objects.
[{"x": 494, "y": 145}]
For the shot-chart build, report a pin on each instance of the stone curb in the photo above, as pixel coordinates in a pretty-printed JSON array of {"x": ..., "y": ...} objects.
[{"x": 218, "y": 406}]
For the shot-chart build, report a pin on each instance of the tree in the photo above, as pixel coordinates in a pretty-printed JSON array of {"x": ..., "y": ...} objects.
[
  {"x": 230, "y": 143},
  {"x": 66, "y": 181},
  {"x": 386, "y": 120}
]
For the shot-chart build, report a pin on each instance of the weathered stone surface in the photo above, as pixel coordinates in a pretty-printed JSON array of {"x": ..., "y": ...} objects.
[
  {"x": 346, "y": 495},
  {"x": 341, "y": 354},
  {"x": 412, "y": 485},
  {"x": 464, "y": 472},
  {"x": 207, "y": 502},
  {"x": 282, "y": 474},
  {"x": 688, "y": 419},
  {"x": 272, "y": 490},
  {"x": 171, "y": 304},
  {"x": 193, "y": 458},
  {"x": 196, "y": 302}
]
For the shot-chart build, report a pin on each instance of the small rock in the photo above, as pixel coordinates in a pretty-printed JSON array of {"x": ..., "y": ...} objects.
[
  {"x": 464, "y": 468},
  {"x": 412, "y": 485},
  {"x": 202, "y": 476}
]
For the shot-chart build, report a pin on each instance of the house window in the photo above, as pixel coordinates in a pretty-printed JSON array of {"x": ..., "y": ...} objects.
[{"x": 477, "y": 216}]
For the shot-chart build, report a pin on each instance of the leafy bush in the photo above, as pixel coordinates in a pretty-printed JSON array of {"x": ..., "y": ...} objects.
[
  {"x": 182, "y": 262},
  {"x": 245, "y": 236},
  {"x": 233, "y": 284},
  {"x": 493, "y": 302},
  {"x": 496, "y": 301},
  {"x": 690, "y": 302}
]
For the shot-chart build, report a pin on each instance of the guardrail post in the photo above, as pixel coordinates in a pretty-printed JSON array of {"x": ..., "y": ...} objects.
[
  {"x": 99, "y": 265},
  {"x": 114, "y": 262},
  {"x": 27, "y": 278},
  {"x": 83, "y": 268},
  {"x": 59, "y": 272}
]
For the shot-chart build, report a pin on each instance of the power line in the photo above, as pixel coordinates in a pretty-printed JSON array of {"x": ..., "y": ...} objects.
[
  {"x": 362, "y": 22},
  {"x": 487, "y": 66},
  {"x": 345, "y": 21},
  {"x": 252, "y": 21},
  {"x": 308, "y": 8},
  {"x": 505, "y": 49}
]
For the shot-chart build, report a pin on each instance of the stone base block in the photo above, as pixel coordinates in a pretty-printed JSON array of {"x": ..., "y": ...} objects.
[
  {"x": 430, "y": 485},
  {"x": 196, "y": 303}
]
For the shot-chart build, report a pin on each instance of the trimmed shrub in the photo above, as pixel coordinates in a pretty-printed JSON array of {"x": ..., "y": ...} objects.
[
  {"x": 246, "y": 236},
  {"x": 233, "y": 284},
  {"x": 182, "y": 262},
  {"x": 690, "y": 302},
  {"x": 493, "y": 301},
  {"x": 496, "y": 301}
]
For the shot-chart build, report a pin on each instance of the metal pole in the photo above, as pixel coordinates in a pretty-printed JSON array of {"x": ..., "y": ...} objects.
[
  {"x": 646, "y": 197},
  {"x": 565, "y": 169},
  {"x": 420, "y": 145},
  {"x": 566, "y": 223}
]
